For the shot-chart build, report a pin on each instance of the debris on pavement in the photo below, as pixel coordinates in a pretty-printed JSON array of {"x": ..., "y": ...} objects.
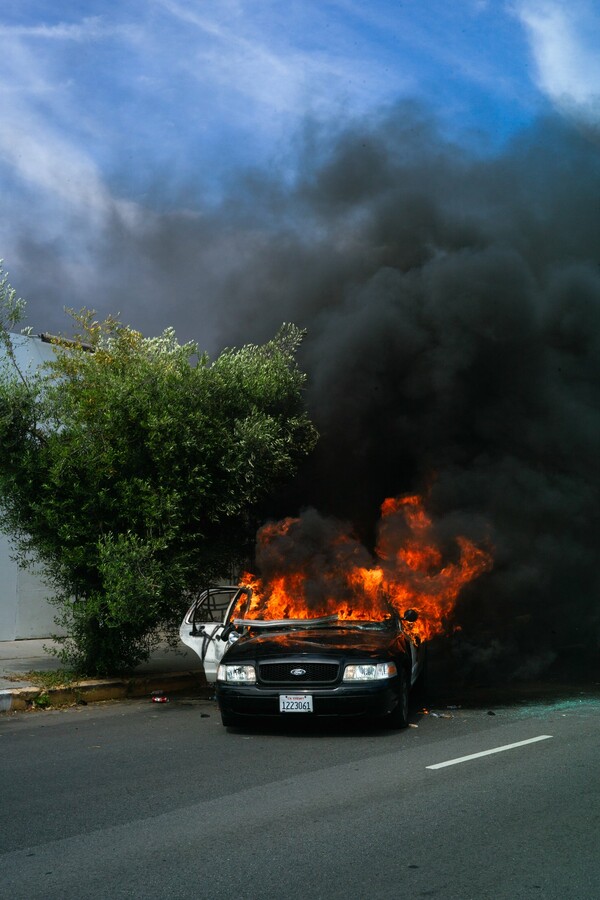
[{"x": 159, "y": 697}]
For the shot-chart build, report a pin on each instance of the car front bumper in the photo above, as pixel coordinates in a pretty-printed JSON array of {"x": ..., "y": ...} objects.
[{"x": 345, "y": 700}]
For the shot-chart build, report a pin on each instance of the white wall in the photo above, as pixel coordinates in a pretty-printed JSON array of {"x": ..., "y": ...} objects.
[
  {"x": 8, "y": 592},
  {"x": 35, "y": 614},
  {"x": 24, "y": 608}
]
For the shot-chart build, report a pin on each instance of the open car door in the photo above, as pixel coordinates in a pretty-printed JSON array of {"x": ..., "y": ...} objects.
[{"x": 204, "y": 623}]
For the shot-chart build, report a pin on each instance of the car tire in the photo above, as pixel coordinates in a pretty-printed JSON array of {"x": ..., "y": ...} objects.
[
  {"x": 398, "y": 718},
  {"x": 418, "y": 694}
]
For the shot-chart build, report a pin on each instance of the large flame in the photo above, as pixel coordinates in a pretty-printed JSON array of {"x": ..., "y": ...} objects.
[{"x": 334, "y": 574}]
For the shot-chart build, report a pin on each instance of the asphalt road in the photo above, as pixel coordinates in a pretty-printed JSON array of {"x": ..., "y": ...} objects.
[{"x": 140, "y": 800}]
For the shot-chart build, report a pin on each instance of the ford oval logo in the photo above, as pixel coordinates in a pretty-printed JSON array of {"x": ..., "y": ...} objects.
[{"x": 298, "y": 672}]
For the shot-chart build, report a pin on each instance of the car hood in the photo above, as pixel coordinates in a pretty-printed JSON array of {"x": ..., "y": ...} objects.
[{"x": 315, "y": 642}]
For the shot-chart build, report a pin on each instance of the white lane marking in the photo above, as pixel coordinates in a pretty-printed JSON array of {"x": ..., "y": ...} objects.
[{"x": 460, "y": 759}]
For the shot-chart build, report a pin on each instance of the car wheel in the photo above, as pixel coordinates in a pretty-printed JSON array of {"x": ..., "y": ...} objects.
[
  {"x": 418, "y": 694},
  {"x": 398, "y": 718}
]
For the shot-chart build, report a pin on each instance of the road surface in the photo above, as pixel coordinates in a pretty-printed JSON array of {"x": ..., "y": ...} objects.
[{"x": 160, "y": 801}]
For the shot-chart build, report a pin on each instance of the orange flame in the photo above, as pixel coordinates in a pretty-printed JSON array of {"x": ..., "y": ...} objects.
[{"x": 408, "y": 572}]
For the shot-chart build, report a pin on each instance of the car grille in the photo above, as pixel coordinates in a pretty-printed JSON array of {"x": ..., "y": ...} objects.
[{"x": 281, "y": 673}]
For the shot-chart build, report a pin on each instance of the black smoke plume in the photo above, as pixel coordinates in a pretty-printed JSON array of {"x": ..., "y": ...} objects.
[{"x": 452, "y": 303}]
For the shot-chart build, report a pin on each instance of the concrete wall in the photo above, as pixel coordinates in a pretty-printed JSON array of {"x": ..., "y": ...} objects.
[
  {"x": 8, "y": 592},
  {"x": 24, "y": 608},
  {"x": 30, "y": 352}
]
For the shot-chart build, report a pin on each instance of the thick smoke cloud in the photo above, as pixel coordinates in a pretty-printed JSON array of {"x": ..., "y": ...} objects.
[
  {"x": 453, "y": 309},
  {"x": 452, "y": 303}
]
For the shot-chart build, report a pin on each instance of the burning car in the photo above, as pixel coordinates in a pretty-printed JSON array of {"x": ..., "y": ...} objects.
[
  {"x": 319, "y": 667},
  {"x": 329, "y": 628},
  {"x": 316, "y": 667}
]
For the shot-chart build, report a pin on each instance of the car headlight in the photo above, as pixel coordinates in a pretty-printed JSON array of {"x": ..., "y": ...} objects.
[
  {"x": 237, "y": 674},
  {"x": 370, "y": 671}
]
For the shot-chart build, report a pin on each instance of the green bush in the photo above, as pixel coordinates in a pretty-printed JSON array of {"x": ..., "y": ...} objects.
[{"x": 131, "y": 468}]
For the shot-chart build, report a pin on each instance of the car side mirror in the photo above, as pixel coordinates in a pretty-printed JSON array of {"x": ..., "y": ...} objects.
[
  {"x": 410, "y": 615},
  {"x": 196, "y": 630},
  {"x": 230, "y": 634}
]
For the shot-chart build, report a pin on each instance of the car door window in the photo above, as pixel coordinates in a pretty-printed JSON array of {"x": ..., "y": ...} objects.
[{"x": 213, "y": 606}]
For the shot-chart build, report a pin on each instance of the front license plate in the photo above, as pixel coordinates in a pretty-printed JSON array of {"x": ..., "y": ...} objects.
[{"x": 295, "y": 703}]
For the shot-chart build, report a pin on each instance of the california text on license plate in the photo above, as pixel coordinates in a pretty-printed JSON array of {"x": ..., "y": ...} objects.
[{"x": 295, "y": 703}]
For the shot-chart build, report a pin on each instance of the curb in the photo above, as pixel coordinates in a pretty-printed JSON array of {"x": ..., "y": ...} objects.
[{"x": 92, "y": 691}]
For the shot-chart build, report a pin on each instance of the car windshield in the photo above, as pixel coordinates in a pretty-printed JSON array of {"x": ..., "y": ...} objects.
[{"x": 333, "y": 621}]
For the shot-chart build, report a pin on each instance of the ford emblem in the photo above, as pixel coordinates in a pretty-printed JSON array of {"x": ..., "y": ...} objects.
[{"x": 298, "y": 672}]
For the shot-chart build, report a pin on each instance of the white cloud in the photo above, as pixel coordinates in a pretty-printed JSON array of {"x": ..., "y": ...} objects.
[
  {"x": 564, "y": 40},
  {"x": 283, "y": 65},
  {"x": 45, "y": 161},
  {"x": 90, "y": 28},
  {"x": 45, "y": 157}
]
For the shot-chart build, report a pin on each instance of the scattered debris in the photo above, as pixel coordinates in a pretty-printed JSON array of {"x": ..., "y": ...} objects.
[
  {"x": 491, "y": 712},
  {"x": 412, "y": 725},
  {"x": 454, "y": 707},
  {"x": 441, "y": 715},
  {"x": 42, "y": 701},
  {"x": 159, "y": 697}
]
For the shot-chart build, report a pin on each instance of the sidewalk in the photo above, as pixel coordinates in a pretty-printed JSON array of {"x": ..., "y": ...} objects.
[{"x": 169, "y": 670}]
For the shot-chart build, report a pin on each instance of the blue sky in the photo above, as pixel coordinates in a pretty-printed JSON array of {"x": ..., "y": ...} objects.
[
  {"x": 415, "y": 183},
  {"x": 126, "y": 108}
]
